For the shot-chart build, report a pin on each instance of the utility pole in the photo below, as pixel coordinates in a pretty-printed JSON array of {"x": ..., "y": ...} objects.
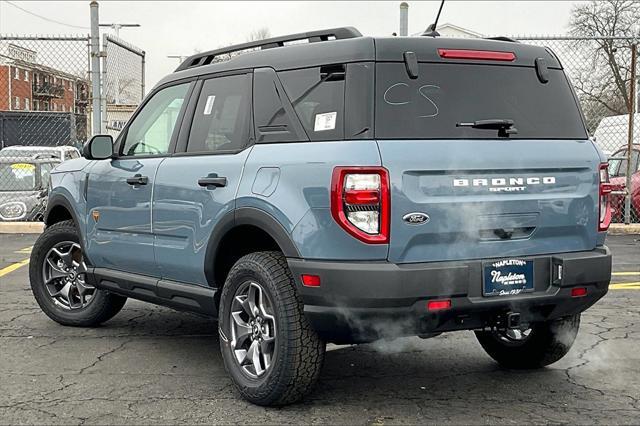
[
  {"x": 95, "y": 69},
  {"x": 404, "y": 19}
]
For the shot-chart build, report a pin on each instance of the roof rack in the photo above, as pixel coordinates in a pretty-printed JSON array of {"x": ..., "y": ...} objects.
[
  {"x": 206, "y": 58},
  {"x": 502, "y": 38}
]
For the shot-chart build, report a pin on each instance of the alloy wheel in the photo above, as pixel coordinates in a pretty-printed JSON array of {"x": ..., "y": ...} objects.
[
  {"x": 64, "y": 276},
  {"x": 253, "y": 329}
]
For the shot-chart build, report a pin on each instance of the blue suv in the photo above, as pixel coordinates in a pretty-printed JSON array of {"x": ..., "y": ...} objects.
[{"x": 343, "y": 190}]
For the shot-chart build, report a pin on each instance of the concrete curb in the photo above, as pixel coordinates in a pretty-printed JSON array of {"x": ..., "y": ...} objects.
[
  {"x": 622, "y": 229},
  {"x": 21, "y": 227}
]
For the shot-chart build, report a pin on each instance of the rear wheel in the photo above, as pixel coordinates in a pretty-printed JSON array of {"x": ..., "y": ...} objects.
[
  {"x": 269, "y": 349},
  {"x": 543, "y": 344},
  {"x": 57, "y": 272}
]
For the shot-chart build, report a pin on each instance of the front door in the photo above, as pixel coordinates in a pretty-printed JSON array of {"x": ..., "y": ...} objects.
[
  {"x": 119, "y": 225},
  {"x": 197, "y": 187}
]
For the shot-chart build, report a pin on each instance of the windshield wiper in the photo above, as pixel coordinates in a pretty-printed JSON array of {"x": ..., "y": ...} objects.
[{"x": 503, "y": 126}]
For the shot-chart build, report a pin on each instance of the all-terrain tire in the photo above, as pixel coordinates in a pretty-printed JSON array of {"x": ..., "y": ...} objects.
[
  {"x": 547, "y": 343},
  {"x": 299, "y": 352},
  {"x": 101, "y": 308}
]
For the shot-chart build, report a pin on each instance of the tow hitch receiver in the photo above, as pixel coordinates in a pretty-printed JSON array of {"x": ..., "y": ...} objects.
[{"x": 513, "y": 320}]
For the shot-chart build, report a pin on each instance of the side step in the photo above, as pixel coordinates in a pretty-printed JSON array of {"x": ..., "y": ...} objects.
[{"x": 176, "y": 295}]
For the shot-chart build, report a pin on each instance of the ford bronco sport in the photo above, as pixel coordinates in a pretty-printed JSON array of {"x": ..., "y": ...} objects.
[{"x": 341, "y": 190}]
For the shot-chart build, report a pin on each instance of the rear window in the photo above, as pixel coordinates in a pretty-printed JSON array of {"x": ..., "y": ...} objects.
[{"x": 431, "y": 106}]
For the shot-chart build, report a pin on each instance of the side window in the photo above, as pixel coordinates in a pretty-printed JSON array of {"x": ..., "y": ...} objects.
[
  {"x": 273, "y": 114},
  {"x": 151, "y": 130},
  {"x": 222, "y": 118},
  {"x": 317, "y": 95},
  {"x": 45, "y": 170},
  {"x": 614, "y": 165}
]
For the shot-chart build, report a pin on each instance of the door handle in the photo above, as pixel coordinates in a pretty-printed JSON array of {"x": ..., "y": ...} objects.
[
  {"x": 212, "y": 180},
  {"x": 138, "y": 179}
]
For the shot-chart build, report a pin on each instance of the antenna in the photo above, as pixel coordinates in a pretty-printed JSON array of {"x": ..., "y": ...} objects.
[{"x": 431, "y": 29}]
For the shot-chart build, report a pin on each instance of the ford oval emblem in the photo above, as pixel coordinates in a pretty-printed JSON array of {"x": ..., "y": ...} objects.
[{"x": 416, "y": 218}]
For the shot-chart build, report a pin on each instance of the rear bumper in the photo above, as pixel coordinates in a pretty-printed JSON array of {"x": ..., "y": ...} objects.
[{"x": 365, "y": 301}]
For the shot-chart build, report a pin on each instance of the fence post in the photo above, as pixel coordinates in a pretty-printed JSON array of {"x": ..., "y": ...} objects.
[
  {"x": 143, "y": 71},
  {"x": 632, "y": 110},
  {"x": 96, "y": 120}
]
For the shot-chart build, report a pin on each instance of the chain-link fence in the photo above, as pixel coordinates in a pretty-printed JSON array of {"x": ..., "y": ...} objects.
[
  {"x": 45, "y": 109},
  {"x": 600, "y": 69},
  {"x": 44, "y": 98},
  {"x": 122, "y": 83}
]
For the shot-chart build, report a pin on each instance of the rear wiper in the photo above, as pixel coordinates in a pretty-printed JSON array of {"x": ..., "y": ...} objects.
[{"x": 503, "y": 126}]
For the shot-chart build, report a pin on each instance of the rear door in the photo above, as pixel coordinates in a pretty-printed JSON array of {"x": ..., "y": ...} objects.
[
  {"x": 487, "y": 192},
  {"x": 119, "y": 226},
  {"x": 196, "y": 187}
]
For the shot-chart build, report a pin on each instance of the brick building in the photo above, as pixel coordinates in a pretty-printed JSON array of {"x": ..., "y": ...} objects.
[{"x": 26, "y": 85}]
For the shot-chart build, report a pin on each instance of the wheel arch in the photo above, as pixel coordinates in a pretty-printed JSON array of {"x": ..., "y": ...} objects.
[
  {"x": 59, "y": 209},
  {"x": 243, "y": 231}
]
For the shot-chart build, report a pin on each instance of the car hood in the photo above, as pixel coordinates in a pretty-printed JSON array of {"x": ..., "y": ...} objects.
[{"x": 73, "y": 165}]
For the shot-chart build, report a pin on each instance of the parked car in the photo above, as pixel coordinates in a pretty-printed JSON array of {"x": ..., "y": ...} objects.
[
  {"x": 618, "y": 174},
  {"x": 64, "y": 153},
  {"x": 24, "y": 183},
  {"x": 613, "y": 132},
  {"x": 342, "y": 190}
]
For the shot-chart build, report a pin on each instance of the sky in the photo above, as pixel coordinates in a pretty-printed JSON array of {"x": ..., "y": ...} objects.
[{"x": 185, "y": 27}]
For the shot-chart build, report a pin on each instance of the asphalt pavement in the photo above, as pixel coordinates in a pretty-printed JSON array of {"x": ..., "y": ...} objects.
[{"x": 155, "y": 365}]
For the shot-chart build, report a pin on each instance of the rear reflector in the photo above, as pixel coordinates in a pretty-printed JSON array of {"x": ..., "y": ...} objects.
[
  {"x": 578, "y": 292},
  {"x": 310, "y": 280},
  {"x": 481, "y": 55},
  {"x": 438, "y": 305}
]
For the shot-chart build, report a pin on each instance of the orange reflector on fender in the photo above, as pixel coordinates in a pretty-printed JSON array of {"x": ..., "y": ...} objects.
[
  {"x": 578, "y": 292},
  {"x": 438, "y": 305},
  {"x": 310, "y": 280}
]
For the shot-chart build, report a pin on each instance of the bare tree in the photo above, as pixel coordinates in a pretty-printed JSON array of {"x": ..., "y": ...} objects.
[
  {"x": 259, "y": 34},
  {"x": 255, "y": 35},
  {"x": 603, "y": 85}
]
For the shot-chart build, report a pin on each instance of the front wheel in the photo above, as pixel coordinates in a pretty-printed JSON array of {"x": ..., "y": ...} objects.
[
  {"x": 269, "y": 349},
  {"x": 543, "y": 344},
  {"x": 57, "y": 272}
]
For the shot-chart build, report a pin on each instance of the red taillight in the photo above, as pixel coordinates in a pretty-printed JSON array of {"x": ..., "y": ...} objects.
[
  {"x": 481, "y": 55},
  {"x": 310, "y": 280},
  {"x": 438, "y": 305},
  {"x": 605, "y": 188},
  {"x": 578, "y": 292},
  {"x": 360, "y": 202}
]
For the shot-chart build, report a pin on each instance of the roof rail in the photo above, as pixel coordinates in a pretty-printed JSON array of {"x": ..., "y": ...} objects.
[
  {"x": 206, "y": 58},
  {"x": 502, "y": 38}
]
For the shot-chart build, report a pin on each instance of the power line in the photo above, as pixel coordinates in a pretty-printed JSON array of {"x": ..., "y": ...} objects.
[{"x": 43, "y": 17}]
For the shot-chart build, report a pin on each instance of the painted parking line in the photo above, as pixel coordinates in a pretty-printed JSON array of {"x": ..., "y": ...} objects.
[
  {"x": 8, "y": 269},
  {"x": 624, "y": 274},
  {"x": 625, "y": 286},
  {"x": 17, "y": 265}
]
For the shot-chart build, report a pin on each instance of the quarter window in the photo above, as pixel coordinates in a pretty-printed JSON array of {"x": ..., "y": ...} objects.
[
  {"x": 222, "y": 117},
  {"x": 317, "y": 94},
  {"x": 151, "y": 130}
]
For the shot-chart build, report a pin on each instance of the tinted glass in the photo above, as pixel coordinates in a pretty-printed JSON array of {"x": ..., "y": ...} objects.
[
  {"x": 45, "y": 170},
  {"x": 444, "y": 95},
  {"x": 17, "y": 176},
  {"x": 317, "y": 95},
  {"x": 221, "y": 121},
  {"x": 150, "y": 131}
]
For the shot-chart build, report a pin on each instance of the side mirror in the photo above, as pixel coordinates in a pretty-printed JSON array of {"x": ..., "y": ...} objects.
[{"x": 99, "y": 147}]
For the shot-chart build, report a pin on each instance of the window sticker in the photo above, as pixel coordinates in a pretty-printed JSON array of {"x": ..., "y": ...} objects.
[
  {"x": 325, "y": 121},
  {"x": 209, "y": 105}
]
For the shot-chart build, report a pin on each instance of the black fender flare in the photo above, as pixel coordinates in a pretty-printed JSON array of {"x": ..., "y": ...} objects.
[
  {"x": 246, "y": 216},
  {"x": 57, "y": 200}
]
